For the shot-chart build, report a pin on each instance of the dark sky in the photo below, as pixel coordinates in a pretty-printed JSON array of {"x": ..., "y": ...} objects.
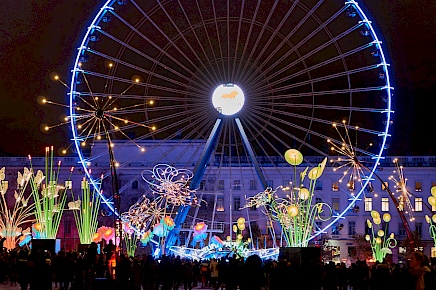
[{"x": 38, "y": 38}]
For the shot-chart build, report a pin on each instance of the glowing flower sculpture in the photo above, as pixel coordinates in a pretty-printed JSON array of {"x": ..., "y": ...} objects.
[
  {"x": 381, "y": 244},
  {"x": 401, "y": 187},
  {"x": 131, "y": 239},
  {"x": 21, "y": 214},
  {"x": 295, "y": 213},
  {"x": 199, "y": 234},
  {"x": 432, "y": 221},
  {"x": 86, "y": 212},
  {"x": 152, "y": 217},
  {"x": 105, "y": 233},
  {"x": 49, "y": 197}
]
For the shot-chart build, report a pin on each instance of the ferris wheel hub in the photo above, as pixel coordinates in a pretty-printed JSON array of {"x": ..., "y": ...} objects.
[{"x": 228, "y": 99}]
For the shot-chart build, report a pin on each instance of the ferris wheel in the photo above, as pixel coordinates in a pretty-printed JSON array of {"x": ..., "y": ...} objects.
[{"x": 246, "y": 79}]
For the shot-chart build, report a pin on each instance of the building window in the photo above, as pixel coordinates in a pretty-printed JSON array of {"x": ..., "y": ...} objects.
[
  {"x": 253, "y": 184},
  {"x": 236, "y": 203},
  {"x": 385, "y": 185},
  {"x": 220, "y": 203},
  {"x": 418, "y": 186},
  {"x": 236, "y": 184},
  {"x": 385, "y": 204},
  {"x": 418, "y": 203},
  {"x": 286, "y": 183},
  {"x": 351, "y": 228},
  {"x": 202, "y": 184},
  {"x": 318, "y": 185},
  {"x": 368, "y": 204},
  {"x": 270, "y": 183},
  {"x": 221, "y": 184},
  {"x": 135, "y": 184},
  {"x": 335, "y": 203},
  {"x": 401, "y": 230},
  {"x": 418, "y": 228},
  {"x": 335, "y": 186}
]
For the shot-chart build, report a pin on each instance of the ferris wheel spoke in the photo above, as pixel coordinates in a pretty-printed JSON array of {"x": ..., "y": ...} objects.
[{"x": 281, "y": 45}]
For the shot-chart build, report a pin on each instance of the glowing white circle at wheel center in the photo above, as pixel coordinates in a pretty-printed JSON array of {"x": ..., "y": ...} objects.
[{"x": 228, "y": 99}]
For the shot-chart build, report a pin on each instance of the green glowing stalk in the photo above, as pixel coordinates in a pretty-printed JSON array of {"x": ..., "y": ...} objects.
[
  {"x": 49, "y": 197},
  {"x": 86, "y": 215}
]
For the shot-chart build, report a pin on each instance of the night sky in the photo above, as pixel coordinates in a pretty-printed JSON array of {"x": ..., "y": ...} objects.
[{"x": 39, "y": 38}]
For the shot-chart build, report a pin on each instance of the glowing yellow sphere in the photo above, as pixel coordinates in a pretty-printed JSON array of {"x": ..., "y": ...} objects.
[
  {"x": 367, "y": 237},
  {"x": 241, "y": 221},
  {"x": 377, "y": 221},
  {"x": 239, "y": 237},
  {"x": 380, "y": 233},
  {"x": 292, "y": 210},
  {"x": 304, "y": 193},
  {"x": 241, "y": 227},
  {"x": 369, "y": 223},
  {"x": 387, "y": 217},
  {"x": 378, "y": 241},
  {"x": 235, "y": 228},
  {"x": 293, "y": 157},
  {"x": 433, "y": 218},
  {"x": 228, "y": 238}
]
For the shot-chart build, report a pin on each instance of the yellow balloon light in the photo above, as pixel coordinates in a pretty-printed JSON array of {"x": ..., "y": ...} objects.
[
  {"x": 241, "y": 221},
  {"x": 377, "y": 221},
  {"x": 378, "y": 241},
  {"x": 387, "y": 217},
  {"x": 380, "y": 233},
  {"x": 432, "y": 200},
  {"x": 433, "y": 218},
  {"x": 427, "y": 219},
  {"x": 239, "y": 237},
  {"x": 293, "y": 157},
  {"x": 292, "y": 210},
  {"x": 248, "y": 240},
  {"x": 304, "y": 193},
  {"x": 433, "y": 191},
  {"x": 375, "y": 214},
  {"x": 228, "y": 238},
  {"x": 392, "y": 235},
  {"x": 367, "y": 237},
  {"x": 235, "y": 228},
  {"x": 369, "y": 223},
  {"x": 241, "y": 227}
]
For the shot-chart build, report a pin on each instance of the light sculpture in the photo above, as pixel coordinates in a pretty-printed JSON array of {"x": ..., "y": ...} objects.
[
  {"x": 12, "y": 220},
  {"x": 295, "y": 213},
  {"x": 153, "y": 217},
  {"x": 381, "y": 243},
  {"x": 86, "y": 212},
  {"x": 49, "y": 197},
  {"x": 432, "y": 220}
]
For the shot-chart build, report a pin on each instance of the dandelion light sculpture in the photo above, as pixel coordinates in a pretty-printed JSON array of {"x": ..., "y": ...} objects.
[
  {"x": 356, "y": 170},
  {"x": 49, "y": 197},
  {"x": 153, "y": 217},
  {"x": 85, "y": 212},
  {"x": 12, "y": 220},
  {"x": 381, "y": 243},
  {"x": 403, "y": 194},
  {"x": 295, "y": 213}
]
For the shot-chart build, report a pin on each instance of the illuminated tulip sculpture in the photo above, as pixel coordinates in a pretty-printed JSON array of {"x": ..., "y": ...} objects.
[
  {"x": 49, "y": 197},
  {"x": 130, "y": 239},
  {"x": 432, "y": 221},
  {"x": 21, "y": 214},
  {"x": 295, "y": 213},
  {"x": 86, "y": 212},
  {"x": 381, "y": 244}
]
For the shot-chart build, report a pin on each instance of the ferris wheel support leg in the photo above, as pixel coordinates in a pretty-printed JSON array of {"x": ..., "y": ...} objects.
[{"x": 199, "y": 169}]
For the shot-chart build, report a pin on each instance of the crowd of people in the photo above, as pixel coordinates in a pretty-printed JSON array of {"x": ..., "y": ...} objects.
[{"x": 40, "y": 270}]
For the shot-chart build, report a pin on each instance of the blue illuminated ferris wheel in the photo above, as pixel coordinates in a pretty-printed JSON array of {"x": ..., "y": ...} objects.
[{"x": 250, "y": 78}]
